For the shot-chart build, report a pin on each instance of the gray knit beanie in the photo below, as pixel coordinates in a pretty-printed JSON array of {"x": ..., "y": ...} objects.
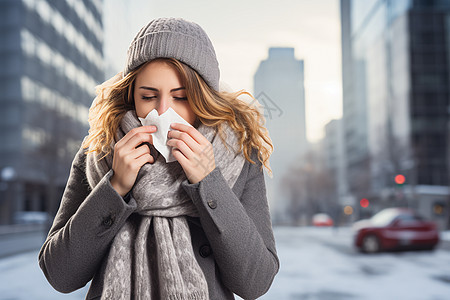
[{"x": 177, "y": 38}]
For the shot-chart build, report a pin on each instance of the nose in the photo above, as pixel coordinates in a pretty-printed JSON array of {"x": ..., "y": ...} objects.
[{"x": 163, "y": 104}]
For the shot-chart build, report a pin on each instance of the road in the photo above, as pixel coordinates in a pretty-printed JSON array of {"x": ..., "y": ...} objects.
[
  {"x": 316, "y": 264},
  {"x": 15, "y": 239},
  {"x": 321, "y": 264}
]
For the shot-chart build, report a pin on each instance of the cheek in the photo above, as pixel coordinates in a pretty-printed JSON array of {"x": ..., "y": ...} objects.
[
  {"x": 142, "y": 107},
  {"x": 186, "y": 113}
]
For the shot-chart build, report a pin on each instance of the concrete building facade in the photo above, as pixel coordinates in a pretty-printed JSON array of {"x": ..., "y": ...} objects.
[{"x": 279, "y": 87}]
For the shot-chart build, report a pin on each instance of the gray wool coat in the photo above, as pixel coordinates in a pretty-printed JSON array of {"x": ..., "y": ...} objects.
[{"x": 232, "y": 238}]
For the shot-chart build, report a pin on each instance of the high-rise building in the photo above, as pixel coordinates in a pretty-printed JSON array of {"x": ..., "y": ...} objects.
[
  {"x": 396, "y": 79},
  {"x": 279, "y": 88},
  {"x": 354, "y": 119},
  {"x": 51, "y": 60},
  {"x": 335, "y": 159}
]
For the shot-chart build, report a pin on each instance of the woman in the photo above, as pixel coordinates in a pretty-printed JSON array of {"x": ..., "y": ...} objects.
[{"x": 141, "y": 228}]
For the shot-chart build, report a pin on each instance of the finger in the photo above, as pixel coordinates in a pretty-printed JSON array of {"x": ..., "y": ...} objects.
[
  {"x": 194, "y": 133},
  {"x": 139, "y": 151},
  {"x": 198, "y": 150},
  {"x": 179, "y": 156},
  {"x": 137, "y": 130},
  {"x": 186, "y": 138},
  {"x": 181, "y": 145},
  {"x": 137, "y": 140},
  {"x": 142, "y": 160}
]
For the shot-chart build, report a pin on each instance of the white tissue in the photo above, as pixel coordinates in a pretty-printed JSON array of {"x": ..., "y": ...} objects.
[{"x": 162, "y": 122}]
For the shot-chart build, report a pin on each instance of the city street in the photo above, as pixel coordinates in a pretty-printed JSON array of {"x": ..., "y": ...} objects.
[
  {"x": 320, "y": 264},
  {"x": 346, "y": 103},
  {"x": 316, "y": 264}
]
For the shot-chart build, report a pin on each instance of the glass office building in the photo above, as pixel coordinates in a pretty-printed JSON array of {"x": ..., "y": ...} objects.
[
  {"x": 52, "y": 59},
  {"x": 396, "y": 97}
]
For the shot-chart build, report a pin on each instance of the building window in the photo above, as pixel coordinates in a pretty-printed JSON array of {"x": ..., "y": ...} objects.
[
  {"x": 35, "y": 47},
  {"x": 68, "y": 31},
  {"x": 35, "y": 92},
  {"x": 33, "y": 137}
]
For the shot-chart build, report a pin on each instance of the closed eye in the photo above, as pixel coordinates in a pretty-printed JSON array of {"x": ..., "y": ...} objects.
[
  {"x": 148, "y": 98},
  {"x": 153, "y": 97}
]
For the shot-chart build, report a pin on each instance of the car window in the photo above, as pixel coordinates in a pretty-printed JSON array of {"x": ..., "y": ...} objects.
[
  {"x": 384, "y": 217},
  {"x": 407, "y": 219}
]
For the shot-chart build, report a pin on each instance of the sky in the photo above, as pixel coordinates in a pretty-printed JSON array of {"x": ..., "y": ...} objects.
[{"x": 242, "y": 32}]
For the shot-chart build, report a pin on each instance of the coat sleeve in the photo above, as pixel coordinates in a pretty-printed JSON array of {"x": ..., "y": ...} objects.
[
  {"x": 239, "y": 230},
  {"x": 83, "y": 228}
]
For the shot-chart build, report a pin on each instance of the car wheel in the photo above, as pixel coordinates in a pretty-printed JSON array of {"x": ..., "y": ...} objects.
[{"x": 370, "y": 244}]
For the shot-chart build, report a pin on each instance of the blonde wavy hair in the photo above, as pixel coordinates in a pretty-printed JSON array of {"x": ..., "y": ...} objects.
[{"x": 212, "y": 108}]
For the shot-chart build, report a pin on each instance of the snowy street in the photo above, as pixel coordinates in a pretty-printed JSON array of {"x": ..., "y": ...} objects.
[
  {"x": 316, "y": 264},
  {"x": 321, "y": 264}
]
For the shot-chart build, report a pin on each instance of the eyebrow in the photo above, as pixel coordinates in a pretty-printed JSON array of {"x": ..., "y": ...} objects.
[{"x": 156, "y": 90}]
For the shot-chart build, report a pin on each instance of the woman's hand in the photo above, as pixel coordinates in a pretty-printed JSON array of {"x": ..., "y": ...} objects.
[
  {"x": 129, "y": 158},
  {"x": 192, "y": 150}
]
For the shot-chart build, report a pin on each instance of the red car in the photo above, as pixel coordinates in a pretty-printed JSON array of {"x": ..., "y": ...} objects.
[
  {"x": 322, "y": 220},
  {"x": 395, "y": 229}
]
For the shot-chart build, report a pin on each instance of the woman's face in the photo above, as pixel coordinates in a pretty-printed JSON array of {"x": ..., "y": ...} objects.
[{"x": 158, "y": 86}]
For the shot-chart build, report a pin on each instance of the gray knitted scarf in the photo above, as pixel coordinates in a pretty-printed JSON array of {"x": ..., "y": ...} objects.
[{"x": 151, "y": 257}]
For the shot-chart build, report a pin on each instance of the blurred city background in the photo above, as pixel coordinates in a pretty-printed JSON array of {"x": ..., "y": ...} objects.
[{"x": 356, "y": 100}]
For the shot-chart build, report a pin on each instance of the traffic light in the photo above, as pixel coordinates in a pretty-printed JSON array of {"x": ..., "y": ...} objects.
[
  {"x": 439, "y": 208},
  {"x": 364, "y": 202},
  {"x": 400, "y": 179},
  {"x": 348, "y": 210}
]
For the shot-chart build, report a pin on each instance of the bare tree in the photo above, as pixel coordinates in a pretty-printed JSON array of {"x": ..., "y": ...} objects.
[{"x": 311, "y": 188}]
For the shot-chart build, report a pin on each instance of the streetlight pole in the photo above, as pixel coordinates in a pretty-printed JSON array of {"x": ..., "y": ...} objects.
[{"x": 7, "y": 175}]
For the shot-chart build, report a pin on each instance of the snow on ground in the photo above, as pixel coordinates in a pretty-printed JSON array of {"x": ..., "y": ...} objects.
[
  {"x": 320, "y": 263},
  {"x": 21, "y": 278},
  {"x": 445, "y": 235},
  {"x": 316, "y": 264}
]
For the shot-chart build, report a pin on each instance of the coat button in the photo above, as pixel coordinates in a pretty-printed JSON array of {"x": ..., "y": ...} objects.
[
  {"x": 205, "y": 251},
  {"x": 212, "y": 204},
  {"x": 107, "y": 221}
]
